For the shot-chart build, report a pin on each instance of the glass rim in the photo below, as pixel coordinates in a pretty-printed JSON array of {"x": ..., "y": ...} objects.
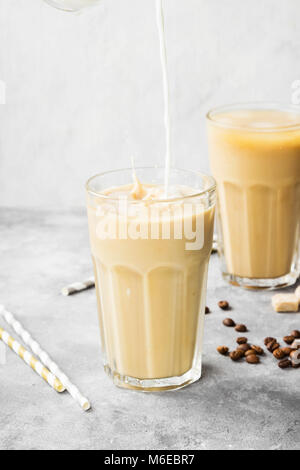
[
  {"x": 259, "y": 105},
  {"x": 211, "y": 188}
]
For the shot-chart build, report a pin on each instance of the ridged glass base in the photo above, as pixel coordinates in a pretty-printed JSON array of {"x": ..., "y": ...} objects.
[
  {"x": 154, "y": 385},
  {"x": 266, "y": 284}
]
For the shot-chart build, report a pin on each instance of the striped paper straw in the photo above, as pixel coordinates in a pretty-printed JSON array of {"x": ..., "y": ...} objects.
[
  {"x": 31, "y": 361},
  {"x": 45, "y": 359},
  {"x": 78, "y": 287}
]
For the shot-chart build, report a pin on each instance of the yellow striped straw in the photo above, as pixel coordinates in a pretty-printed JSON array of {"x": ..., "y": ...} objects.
[
  {"x": 45, "y": 359},
  {"x": 36, "y": 365}
]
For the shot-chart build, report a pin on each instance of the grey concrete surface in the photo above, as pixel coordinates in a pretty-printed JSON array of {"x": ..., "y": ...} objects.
[{"x": 234, "y": 406}]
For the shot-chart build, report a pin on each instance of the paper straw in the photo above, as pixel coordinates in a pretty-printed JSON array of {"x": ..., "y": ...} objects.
[
  {"x": 45, "y": 359},
  {"x": 31, "y": 361},
  {"x": 78, "y": 287}
]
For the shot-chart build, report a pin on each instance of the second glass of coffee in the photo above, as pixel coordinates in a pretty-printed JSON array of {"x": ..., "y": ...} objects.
[{"x": 255, "y": 158}]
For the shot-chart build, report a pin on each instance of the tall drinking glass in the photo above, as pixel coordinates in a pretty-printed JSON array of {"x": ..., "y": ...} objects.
[
  {"x": 151, "y": 259},
  {"x": 255, "y": 158}
]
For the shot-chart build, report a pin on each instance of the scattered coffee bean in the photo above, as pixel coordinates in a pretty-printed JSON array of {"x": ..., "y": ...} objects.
[
  {"x": 244, "y": 347},
  {"x": 236, "y": 355},
  {"x": 241, "y": 328},
  {"x": 268, "y": 340},
  {"x": 285, "y": 364},
  {"x": 252, "y": 359},
  {"x": 207, "y": 310},
  {"x": 295, "y": 334},
  {"x": 287, "y": 351},
  {"x": 289, "y": 339},
  {"x": 223, "y": 350},
  {"x": 279, "y": 354},
  {"x": 257, "y": 349},
  {"x": 273, "y": 345},
  {"x": 250, "y": 352},
  {"x": 242, "y": 340},
  {"x": 229, "y": 322},
  {"x": 224, "y": 305}
]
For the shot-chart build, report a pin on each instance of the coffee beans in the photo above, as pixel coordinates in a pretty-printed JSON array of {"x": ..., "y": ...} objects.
[
  {"x": 242, "y": 340},
  {"x": 223, "y": 350},
  {"x": 289, "y": 339},
  {"x": 283, "y": 355},
  {"x": 285, "y": 364},
  {"x": 244, "y": 347},
  {"x": 229, "y": 322},
  {"x": 241, "y": 328},
  {"x": 287, "y": 351},
  {"x": 273, "y": 345},
  {"x": 224, "y": 305},
  {"x": 236, "y": 355},
  {"x": 250, "y": 352},
  {"x": 279, "y": 354},
  {"x": 252, "y": 359},
  {"x": 268, "y": 340},
  {"x": 291, "y": 352},
  {"x": 207, "y": 310},
  {"x": 258, "y": 350}
]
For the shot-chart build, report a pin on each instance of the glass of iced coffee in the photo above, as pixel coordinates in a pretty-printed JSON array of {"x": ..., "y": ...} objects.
[
  {"x": 255, "y": 158},
  {"x": 151, "y": 252}
]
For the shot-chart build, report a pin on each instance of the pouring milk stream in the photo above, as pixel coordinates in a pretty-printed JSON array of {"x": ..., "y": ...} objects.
[{"x": 164, "y": 63}]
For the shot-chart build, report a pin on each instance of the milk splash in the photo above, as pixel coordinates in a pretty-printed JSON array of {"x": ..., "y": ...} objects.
[{"x": 166, "y": 88}]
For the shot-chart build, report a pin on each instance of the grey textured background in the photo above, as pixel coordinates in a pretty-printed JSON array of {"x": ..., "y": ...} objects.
[{"x": 84, "y": 92}]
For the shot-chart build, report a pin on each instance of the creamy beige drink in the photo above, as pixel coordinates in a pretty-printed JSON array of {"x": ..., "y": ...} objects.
[
  {"x": 255, "y": 158},
  {"x": 151, "y": 284}
]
